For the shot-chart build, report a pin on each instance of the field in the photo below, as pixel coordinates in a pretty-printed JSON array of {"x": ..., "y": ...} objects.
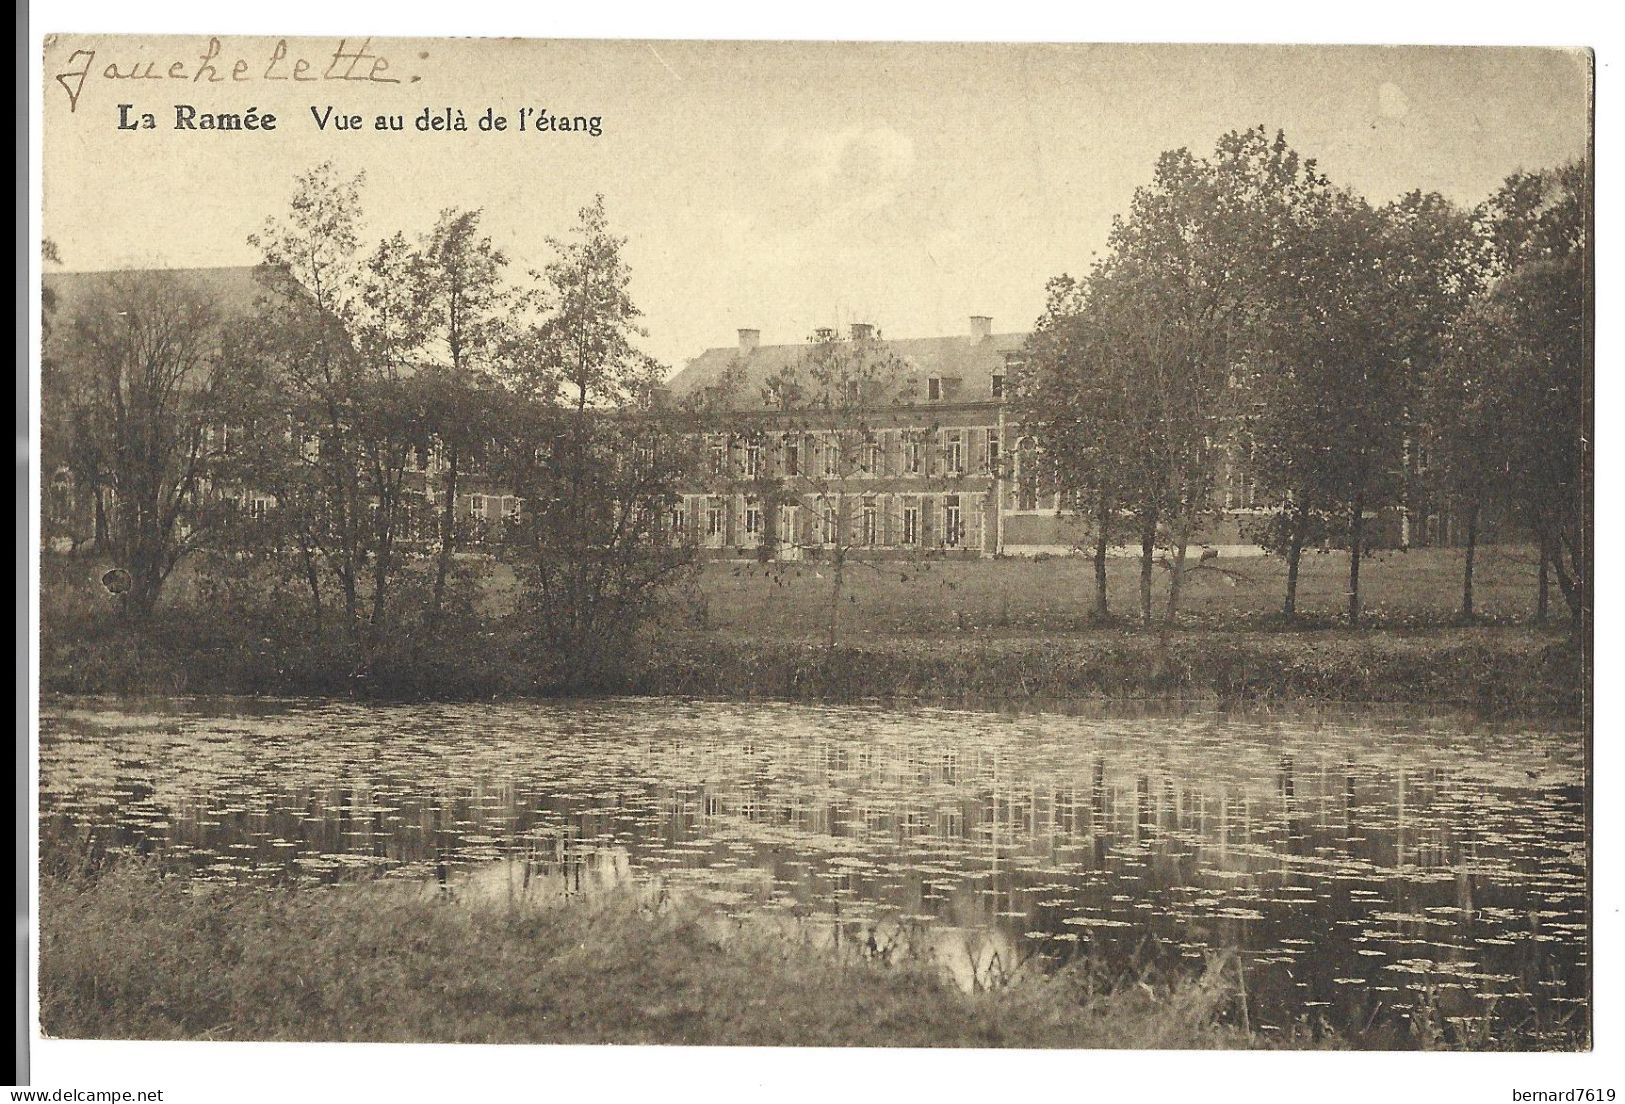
[
  {"x": 1009, "y": 629},
  {"x": 1023, "y": 596}
]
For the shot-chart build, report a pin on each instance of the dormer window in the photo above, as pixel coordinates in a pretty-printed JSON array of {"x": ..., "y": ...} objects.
[
  {"x": 933, "y": 389},
  {"x": 998, "y": 387}
]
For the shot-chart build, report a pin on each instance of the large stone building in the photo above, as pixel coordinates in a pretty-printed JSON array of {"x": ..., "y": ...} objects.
[{"x": 941, "y": 466}]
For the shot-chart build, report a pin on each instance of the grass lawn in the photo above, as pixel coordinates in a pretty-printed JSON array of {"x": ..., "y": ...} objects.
[{"x": 1024, "y": 596}]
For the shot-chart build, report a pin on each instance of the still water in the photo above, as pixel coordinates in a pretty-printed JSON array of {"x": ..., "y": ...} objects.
[{"x": 1361, "y": 861}]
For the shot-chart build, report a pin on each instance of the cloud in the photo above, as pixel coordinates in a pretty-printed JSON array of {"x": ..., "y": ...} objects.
[{"x": 823, "y": 179}]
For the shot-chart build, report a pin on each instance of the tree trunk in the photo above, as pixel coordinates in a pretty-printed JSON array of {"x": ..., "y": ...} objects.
[
  {"x": 382, "y": 563},
  {"x": 448, "y": 539},
  {"x": 1467, "y": 571},
  {"x": 1294, "y": 558},
  {"x": 1176, "y": 583},
  {"x": 1356, "y": 541},
  {"x": 1543, "y": 581},
  {"x": 314, "y": 581},
  {"x": 1103, "y": 518},
  {"x": 837, "y": 584},
  {"x": 1102, "y": 611},
  {"x": 1148, "y": 546},
  {"x": 100, "y": 540}
]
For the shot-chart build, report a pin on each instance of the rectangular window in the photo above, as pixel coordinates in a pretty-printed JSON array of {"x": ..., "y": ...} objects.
[
  {"x": 753, "y": 521},
  {"x": 871, "y": 521},
  {"x": 787, "y": 526},
  {"x": 719, "y": 455},
  {"x": 952, "y": 526},
  {"x": 753, "y": 460},
  {"x": 933, "y": 389},
  {"x": 792, "y": 455},
  {"x": 675, "y": 520},
  {"x": 998, "y": 387},
  {"x": 830, "y": 523},
  {"x": 713, "y": 520},
  {"x": 954, "y": 451},
  {"x": 478, "y": 505},
  {"x": 914, "y": 453},
  {"x": 832, "y": 455},
  {"x": 854, "y": 392},
  {"x": 993, "y": 452},
  {"x": 871, "y": 455},
  {"x": 911, "y": 521}
]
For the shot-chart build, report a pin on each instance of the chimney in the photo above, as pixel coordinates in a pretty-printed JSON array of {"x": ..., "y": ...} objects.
[
  {"x": 862, "y": 331},
  {"x": 748, "y": 340},
  {"x": 981, "y": 327}
]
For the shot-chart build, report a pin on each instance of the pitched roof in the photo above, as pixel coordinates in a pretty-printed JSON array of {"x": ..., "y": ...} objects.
[
  {"x": 234, "y": 290},
  {"x": 973, "y": 361}
]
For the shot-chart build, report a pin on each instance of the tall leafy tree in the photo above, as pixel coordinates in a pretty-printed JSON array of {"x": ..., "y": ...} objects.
[
  {"x": 465, "y": 306},
  {"x": 1537, "y": 316},
  {"x": 154, "y": 386},
  {"x": 1186, "y": 291},
  {"x": 595, "y": 463},
  {"x": 1073, "y": 388}
]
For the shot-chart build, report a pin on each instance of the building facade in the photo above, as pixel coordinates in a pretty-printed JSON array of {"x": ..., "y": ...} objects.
[{"x": 937, "y": 464}]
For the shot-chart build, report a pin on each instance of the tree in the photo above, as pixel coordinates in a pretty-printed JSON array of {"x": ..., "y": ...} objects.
[
  {"x": 459, "y": 275},
  {"x": 152, "y": 387},
  {"x": 1536, "y": 315},
  {"x": 1467, "y": 420},
  {"x": 1072, "y": 391},
  {"x": 1181, "y": 288},
  {"x": 595, "y": 463},
  {"x": 831, "y": 407},
  {"x": 345, "y": 333}
]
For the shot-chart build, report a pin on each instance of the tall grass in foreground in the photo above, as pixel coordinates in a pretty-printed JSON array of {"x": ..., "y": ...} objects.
[{"x": 129, "y": 955}]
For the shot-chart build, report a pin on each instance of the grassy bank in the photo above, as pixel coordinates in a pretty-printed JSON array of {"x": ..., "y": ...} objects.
[
  {"x": 1016, "y": 631},
  {"x": 130, "y": 956},
  {"x": 1498, "y": 670}
]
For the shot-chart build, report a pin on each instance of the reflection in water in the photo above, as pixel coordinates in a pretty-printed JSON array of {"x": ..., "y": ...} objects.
[{"x": 1361, "y": 864}]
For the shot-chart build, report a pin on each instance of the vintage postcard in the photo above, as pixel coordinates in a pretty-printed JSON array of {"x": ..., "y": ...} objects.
[{"x": 815, "y": 544}]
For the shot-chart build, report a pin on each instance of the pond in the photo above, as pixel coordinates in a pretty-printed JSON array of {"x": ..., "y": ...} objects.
[{"x": 1361, "y": 861}]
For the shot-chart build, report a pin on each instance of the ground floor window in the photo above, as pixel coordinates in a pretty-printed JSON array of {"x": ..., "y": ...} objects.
[
  {"x": 787, "y": 526},
  {"x": 953, "y": 528},
  {"x": 871, "y": 521},
  {"x": 753, "y": 521},
  {"x": 911, "y": 521},
  {"x": 713, "y": 521},
  {"x": 831, "y": 522}
]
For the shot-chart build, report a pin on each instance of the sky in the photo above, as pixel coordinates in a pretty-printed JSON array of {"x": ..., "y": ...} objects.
[{"x": 778, "y": 187}]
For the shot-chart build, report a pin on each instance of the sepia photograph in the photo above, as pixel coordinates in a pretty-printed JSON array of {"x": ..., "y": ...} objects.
[{"x": 814, "y": 544}]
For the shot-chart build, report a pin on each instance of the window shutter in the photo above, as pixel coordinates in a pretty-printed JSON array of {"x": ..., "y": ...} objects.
[{"x": 928, "y": 521}]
